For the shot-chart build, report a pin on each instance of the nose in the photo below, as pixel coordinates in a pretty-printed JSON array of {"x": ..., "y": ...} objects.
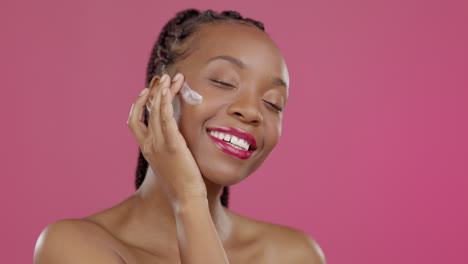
[{"x": 246, "y": 109}]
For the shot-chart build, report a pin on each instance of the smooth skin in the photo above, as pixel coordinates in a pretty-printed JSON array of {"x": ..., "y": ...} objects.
[{"x": 176, "y": 215}]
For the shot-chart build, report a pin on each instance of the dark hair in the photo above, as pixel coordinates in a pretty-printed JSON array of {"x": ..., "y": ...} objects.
[{"x": 166, "y": 51}]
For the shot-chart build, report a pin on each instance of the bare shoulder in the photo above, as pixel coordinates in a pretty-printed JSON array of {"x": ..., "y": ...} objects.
[
  {"x": 285, "y": 244},
  {"x": 291, "y": 245},
  {"x": 74, "y": 241}
]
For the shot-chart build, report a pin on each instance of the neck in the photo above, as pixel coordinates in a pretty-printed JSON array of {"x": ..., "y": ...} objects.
[{"x": 154, "y": 210}]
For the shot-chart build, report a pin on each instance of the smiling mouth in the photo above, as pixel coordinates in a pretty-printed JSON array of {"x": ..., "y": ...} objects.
[{"x": 233, "y": 141}]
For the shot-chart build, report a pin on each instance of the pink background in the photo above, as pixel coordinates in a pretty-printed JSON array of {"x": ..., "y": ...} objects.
[{"x": 372, "y": 162}]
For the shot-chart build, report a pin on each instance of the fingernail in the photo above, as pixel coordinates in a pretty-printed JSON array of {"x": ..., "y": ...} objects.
[
  {"x": 163, "y": 78},
  {"x": 143, "y": 92},
  {"x": 176, "y": 77}
]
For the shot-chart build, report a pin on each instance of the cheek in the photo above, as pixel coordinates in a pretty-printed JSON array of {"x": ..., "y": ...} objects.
[
  {"x": 272, "y": 135},
  {"x": 188, "y": 122},
  {"x": 192, "y": 119},
  {"x": 190, "y": 96}
]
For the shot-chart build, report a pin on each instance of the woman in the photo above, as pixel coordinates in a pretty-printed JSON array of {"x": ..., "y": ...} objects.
[{"x": 230, "y": 85}]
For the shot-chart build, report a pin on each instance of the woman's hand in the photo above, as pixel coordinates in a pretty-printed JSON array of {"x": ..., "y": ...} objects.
[{"x": 161, "y": 143}]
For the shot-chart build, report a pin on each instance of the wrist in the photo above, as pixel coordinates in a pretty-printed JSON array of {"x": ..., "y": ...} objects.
[{"x": 188, "y": 203}]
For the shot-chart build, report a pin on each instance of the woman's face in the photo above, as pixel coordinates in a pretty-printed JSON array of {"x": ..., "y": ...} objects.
[{"x": 243, "y": 79}]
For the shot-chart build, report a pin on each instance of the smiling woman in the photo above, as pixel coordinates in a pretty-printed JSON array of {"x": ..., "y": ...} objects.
[{"x": 191, "y": 153}]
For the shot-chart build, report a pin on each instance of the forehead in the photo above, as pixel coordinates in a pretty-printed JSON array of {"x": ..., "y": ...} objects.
[{"x": 244, "y": 42}]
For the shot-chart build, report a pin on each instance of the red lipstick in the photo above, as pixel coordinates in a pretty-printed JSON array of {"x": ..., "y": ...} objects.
[{"x": 228, "y": 148}]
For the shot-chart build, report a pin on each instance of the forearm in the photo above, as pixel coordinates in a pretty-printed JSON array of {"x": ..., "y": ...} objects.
[{"x": 198, "y": 239}]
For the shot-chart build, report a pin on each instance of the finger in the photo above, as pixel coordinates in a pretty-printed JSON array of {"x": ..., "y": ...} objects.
[
  {"x": 176, "y": 84},
  {"x": 154, "y": 123},
  {"x": 152, "y": 91},
  {"x": 170, "y": 130},
  {"x": 134, "y": 121},
  {"x": 154, "y": 80}
]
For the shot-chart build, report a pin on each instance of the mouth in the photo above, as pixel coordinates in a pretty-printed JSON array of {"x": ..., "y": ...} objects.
[{"x": 233, "y": 141}]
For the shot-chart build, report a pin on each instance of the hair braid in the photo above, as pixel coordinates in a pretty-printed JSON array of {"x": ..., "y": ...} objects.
[{"x": 165, "y": 53}]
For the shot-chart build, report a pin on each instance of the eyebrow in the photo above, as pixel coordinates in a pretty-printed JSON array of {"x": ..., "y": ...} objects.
[
  {"x": 240, "y": 64},
  {"x": 230, "y": 59},
  {"x": 280, "y": 82}
]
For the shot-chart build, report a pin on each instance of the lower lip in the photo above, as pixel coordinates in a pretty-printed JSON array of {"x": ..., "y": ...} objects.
[{"x": 228, "y": 149}]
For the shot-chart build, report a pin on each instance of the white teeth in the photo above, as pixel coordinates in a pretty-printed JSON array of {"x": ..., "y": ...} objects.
[
  {"x": 235, "y": 141},
  {"x": 242, "y": 143}
]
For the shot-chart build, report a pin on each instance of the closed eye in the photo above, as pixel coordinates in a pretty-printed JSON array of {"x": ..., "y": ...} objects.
[
  {"x": 223, "y": 83},
  {"x": 275, "y": 106}
]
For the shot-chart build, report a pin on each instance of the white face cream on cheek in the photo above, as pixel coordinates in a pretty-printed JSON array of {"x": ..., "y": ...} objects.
[
  {"x": 176, "y": 106},
  {"x": 190, "y": 96}
]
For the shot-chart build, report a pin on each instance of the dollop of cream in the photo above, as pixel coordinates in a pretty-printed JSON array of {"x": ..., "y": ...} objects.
[{"x": 190, "y": 96}]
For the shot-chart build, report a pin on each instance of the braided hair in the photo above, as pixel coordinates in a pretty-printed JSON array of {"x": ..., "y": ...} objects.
[{"x": 166, "y": 51}]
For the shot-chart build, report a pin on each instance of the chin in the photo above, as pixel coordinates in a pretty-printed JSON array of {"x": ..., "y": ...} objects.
[
  {"x": 221, "y": 173},
  {"x": 225, "y": 170}
]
